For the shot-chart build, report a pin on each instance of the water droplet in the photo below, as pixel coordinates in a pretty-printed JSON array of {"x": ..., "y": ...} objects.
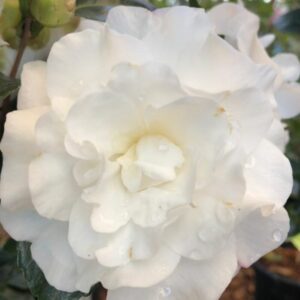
[
  {"x": 277, "y": 235},
  {"x": 165, "y": 292},
  {"x": 251, "y": 163},
  {"x": 163, "y": 148}
]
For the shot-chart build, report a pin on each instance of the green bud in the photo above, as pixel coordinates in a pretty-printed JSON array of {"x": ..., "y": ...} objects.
[
  {"x": 10, "y": 36},
  {"x": 11, "y": 14},
  {"x": 53, "y": 13},
  {"x": 40, "y": 40}
]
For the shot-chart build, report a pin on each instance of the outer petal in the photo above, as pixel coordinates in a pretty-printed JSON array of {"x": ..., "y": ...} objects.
[
  {"x": 289, "y": 65},
  {"x": 89, "y": 273},
  {"x": 208, "y": 226},
  {"x": 33, "y": 91},
  {"x": 143, "y": 273},
  {"x": 70, "y": 74},
  {"x": 19, "y": 148},
  {"x": 288, "y": 100},
  {"x": 109, "y": 121},
  {"x": 243, "y": 107},
  {"x": 278, "y": 134},
  {"x": 82, "y": 237},
  {"x": 134, "y": 21},
  {"x": 54, "y": 256},
  {"x": 23, "y": 225},
  {"x": 191, "y": 280},
  {"x": 268, "y": 175},
  {"x": 237, "y": 71},
  {"x": 50, "y": 133},
  {"x": 52, "y": 186},
  {"x": 272, "y": 224}
]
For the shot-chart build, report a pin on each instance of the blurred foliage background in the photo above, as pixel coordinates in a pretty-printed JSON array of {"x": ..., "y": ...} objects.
[{"x": 280, "y": 17}]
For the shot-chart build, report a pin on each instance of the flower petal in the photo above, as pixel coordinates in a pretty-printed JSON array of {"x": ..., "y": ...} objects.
[
  {"x": 130, "y": 243},
  {"x": 52, "y": 186},
  {"x": 82, "y": 237},
  {"x": 237, "y": 71},
  {"x": 23, "y": 225},
  {"x": 112, "y": 211},
  {"x": 288, "y": 100},
  {"x": 268, "y": 175},
  {"x": 272, "y": 224},
  {"x": 143, "y": 273},
  {"x": 18, "y": 148},
  {"x": 54, "y": 256},
  {"x": 33, "y": 78},
  {"x": 278, "y": 134},
  {"x": 190, "y": 280},
  {"x": 109, "y": 121},
  {"x": 245, "y": 105},
  {"x": 71, "y": 75},
  {"x": 134, "y": 21},
  {"x": 157, "y": 84},
  {"x": 49, "y": 133},
  {"x": 289, "y": 65}
]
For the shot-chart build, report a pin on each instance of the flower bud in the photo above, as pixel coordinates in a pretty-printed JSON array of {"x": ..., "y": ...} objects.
[
  {"x": 40, "y": 40},
  {"x": 53, "y": 13},
  {"x": 9, "y": 21}
]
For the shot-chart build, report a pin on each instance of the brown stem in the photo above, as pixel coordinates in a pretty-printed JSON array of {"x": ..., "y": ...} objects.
[{"x": 22, "y": 47}]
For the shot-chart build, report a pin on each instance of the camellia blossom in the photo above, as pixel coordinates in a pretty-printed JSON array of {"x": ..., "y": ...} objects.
[
  {"x": 139, "y": 158},
  {"x": 240, "y": 28}
]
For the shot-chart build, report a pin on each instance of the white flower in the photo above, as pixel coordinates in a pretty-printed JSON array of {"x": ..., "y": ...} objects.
[
  {"x": 138, "y": 157},
  {"x": 240, "y": 28}
]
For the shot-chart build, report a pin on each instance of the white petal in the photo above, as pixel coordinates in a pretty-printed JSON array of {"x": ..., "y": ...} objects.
[
  {"x": 52, "y": 186},
  {"x": 243, "y": 107},
  {"x": 193, "y": 124},
  {"x": 143, "y": 273},
  {"x": 278, "y": 134},
  {"x": 288, "y": 100},
  {"x": 18, "y": 148},
  {"x": 182, "y": 37},
  {"x": 82, "y": 237},
  {"x": 134, "y": 21},
  {"x": 191, "y": 280},
  {"x": 89, "y": 273},
  {"x": 49, "y": 133},
  {"x": 70, "y": 74},
  {"x": 109, "y": 121},
  {"x": 208, "y": 225},
  {"x": 157, "y": 84},
  {"x": 272, "y": 224},
  {"x": 33, "y": 91},
  {"x": 268, "y": 176},
  {"x": 237, "y": 71},
  {"x": 23, "y": 225},
  {"x": 289, "y": 65},
  {"x": 54, "y": 256},
  {"x": 128, "y": 244},
  {"x": 267, "y": 39},
  {"x": 112, "y": 211}
]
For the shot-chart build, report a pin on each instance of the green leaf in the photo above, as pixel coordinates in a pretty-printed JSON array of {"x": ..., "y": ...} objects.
[
  {"x": 295, "y": 240},
  {"x": 35, "y": 278},
  {"x": 98, "y": 9},
  {"x": 8, "y": 86}
]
